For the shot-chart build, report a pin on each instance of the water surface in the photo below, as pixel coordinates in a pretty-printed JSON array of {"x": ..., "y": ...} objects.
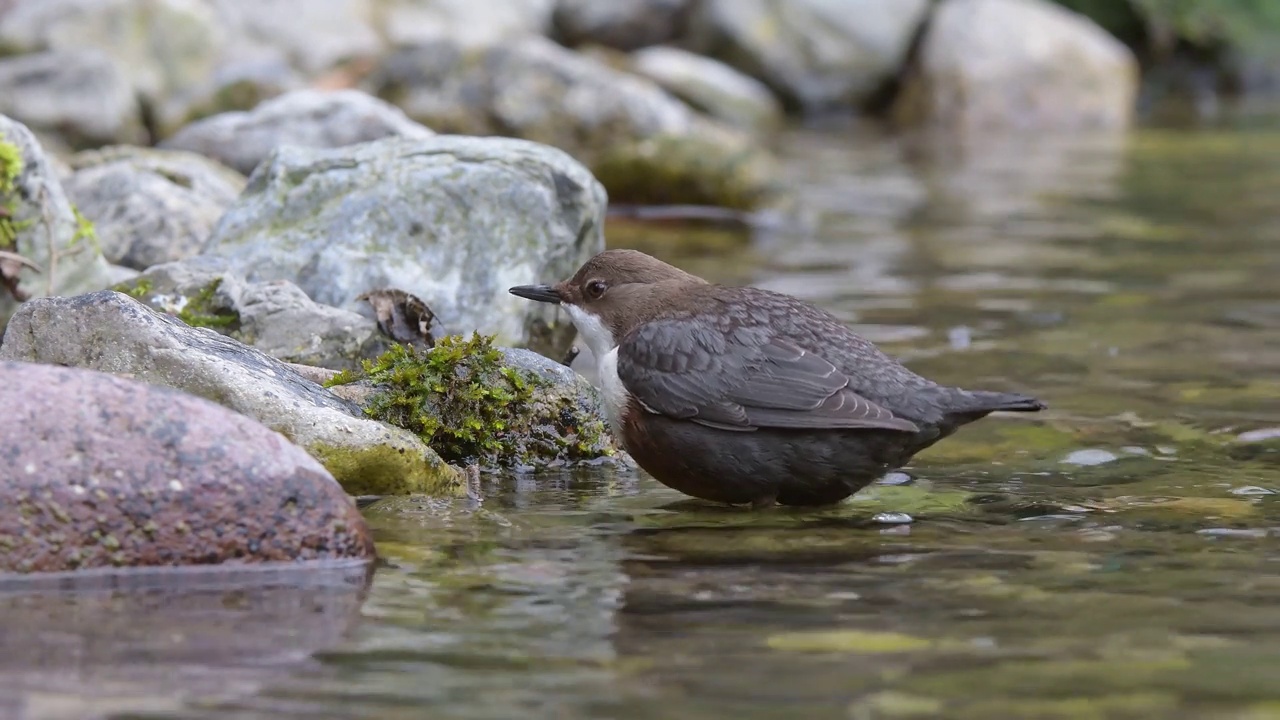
[{"x": 1116, "y": 557}]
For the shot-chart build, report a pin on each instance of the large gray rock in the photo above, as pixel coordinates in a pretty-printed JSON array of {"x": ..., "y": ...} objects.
[
  {"x": 150, "y": 206},
  {"x": 167, "y": 49},
  {"x": 998, "y": 64},
  {"x": 816, "y": 54},
  {"x": 538, "y": 90},
  {"x": 409, "y": 22},
  {"x": 113, "y": 333},
  {"x": 275, "y": 317},
  {"x": 306, "y": 118},
  {"x": 46, "y": 226},
  {"x": 453, "y": 220},
  {"x": 711, "y": 86},
  {"x": 104, "y": 472},
  {"x": 79, "y": 95},
  {"x": 621, "y": 24}
]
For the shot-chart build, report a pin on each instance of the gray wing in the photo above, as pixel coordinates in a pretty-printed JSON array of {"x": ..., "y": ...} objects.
[{"x": 743, "y": 379}]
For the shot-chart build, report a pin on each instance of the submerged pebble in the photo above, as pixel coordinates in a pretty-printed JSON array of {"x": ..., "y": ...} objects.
[
  {"x": 1261, "y": 435},
  {"x": 895, "y": 478},
  {"x": 892, "y": 518},
  {"x": 1092, "y": 456},
  {"x": 1248, "y": 533},
  {"x": 1251, "y": 490}
]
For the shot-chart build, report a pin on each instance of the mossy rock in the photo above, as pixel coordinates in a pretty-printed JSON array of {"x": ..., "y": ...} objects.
[
  {"x": 476, "y": 403},
  {"x": 706, "y": 168}
]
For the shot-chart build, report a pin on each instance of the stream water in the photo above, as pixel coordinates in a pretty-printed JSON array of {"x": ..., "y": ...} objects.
[{"x": 1115, "y": 557}]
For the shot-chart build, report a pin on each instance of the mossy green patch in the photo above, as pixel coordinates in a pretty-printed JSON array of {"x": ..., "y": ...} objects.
[
  {"x": 867, "y": 642},
  {"x": 11, "y": 165},
  {"x": 202, "y": 310},
  {"x": 388, "y": 470},
  {"x": 468, "y": 405}
]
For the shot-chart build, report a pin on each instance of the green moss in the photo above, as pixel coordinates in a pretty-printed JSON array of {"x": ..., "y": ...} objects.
[
  {"x": 202, "y": 310},
  {"x": 137, "y": 289},
  {"x": 471, "y": 407},
  {"x": 11, "y": 165},
  {"x": 388, "y": 470}
]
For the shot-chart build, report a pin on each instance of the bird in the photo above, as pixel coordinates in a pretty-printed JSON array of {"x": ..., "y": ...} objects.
[{"x": 744, "y": 396}]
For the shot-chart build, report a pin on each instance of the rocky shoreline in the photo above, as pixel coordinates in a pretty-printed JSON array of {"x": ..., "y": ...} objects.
[{"x": 192, "y": 230}]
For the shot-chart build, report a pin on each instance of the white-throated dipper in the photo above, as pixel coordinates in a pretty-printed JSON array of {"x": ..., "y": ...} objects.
[{"x": 742, "y": 395}]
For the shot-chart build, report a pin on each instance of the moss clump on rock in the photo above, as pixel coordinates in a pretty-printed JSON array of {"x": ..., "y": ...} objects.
[
  {"x": 11, "y": 165},
  {"x": 471, "y": 406},
  {"x": 201, "y": 309}
]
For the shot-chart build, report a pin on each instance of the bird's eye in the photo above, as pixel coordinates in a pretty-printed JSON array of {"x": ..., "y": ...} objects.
[{"x": 596, "y": 288}]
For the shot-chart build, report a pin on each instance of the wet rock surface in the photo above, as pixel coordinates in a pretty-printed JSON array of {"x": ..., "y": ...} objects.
[
  {"x": 1028, "y": 64},
  {"x": 101, "y": 471},
  {"x": 46, "y": 228},
  {"x": 816, "y": 54},
  {"x": 306, "y": 118},
  {"x": 537, "y": 90},
  {"x": 111, "y": 332},
  {"x": 150, "y": 206},
  {"x": 453, "y": 220}
]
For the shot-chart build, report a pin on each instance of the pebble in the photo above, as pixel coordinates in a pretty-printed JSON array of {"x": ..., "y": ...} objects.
[
  {"x": 1262, "y": 435},
  {"x": 1092, "y": 456},
  {"x": 892, "y": 518},
  {"x": 1247, "y": 533},
  {"x": 895, "y": 478},
  {"x": 1252, "y": 490}
]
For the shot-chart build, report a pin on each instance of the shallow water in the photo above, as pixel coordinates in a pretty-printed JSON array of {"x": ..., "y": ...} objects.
[{"x": 1116, "y": 557}]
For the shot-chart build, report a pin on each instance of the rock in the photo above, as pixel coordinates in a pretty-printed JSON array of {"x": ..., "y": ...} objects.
[
  {"x": 80, "y": 97},
  {"x": 410, "y": 22},
  {"x": 42, "y": 224},
  {"x": 621, "y": 24},
  {"x": 493, "y": 407},
  {"x": 314, "y": 35},
  {"x": 150, "y": 206},
  {"x": 306, "y": 118},
  {"x": 1018, "y": 64},
  {"x": 453, "y": 220},
  {"x": 275, "y": 317},
  {"x": 110, "y": 332},
  {"x": 816, "y": 54},
  {"x": 711, "y": 87},
  {"x": 537, "y": 90},
  {"x": 103, "y": 472},
  {"x": 167, "y": 49}
]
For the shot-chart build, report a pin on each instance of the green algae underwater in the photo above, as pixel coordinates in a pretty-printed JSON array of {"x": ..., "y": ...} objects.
[{"x": 1115, "y": 557}]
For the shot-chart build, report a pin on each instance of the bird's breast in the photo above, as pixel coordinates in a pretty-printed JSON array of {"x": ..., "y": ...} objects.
[{"x": 613, "y": 394}]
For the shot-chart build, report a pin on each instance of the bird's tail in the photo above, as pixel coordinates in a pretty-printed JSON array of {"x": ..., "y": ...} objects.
[{"x": 987, "y": 401}]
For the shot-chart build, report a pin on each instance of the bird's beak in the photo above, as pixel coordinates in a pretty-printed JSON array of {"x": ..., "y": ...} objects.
[{"x": 541, "y": 293}]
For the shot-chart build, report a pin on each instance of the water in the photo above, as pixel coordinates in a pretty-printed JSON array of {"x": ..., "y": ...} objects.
[{"x": 1116, "y": 557}]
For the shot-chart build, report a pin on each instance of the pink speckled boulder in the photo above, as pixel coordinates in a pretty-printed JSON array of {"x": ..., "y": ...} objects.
[{"x": 101, "y": 471}]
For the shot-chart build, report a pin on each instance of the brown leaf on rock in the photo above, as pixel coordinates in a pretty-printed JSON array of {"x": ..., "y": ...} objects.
[
  {"x": 11, "y": 264},
  {"x": 401, "y": 316}
]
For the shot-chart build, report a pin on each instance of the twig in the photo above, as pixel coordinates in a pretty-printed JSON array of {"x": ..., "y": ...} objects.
[{"x": 15, "y": 257}]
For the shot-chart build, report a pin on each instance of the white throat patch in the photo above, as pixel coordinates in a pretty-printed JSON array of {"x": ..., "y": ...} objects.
[
  {"x": 594, "y": 333},
  {"x": 605, "y": 349}
]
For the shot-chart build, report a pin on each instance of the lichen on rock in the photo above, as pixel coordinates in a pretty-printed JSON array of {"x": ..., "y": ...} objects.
[{"x": 473, "y": 402}]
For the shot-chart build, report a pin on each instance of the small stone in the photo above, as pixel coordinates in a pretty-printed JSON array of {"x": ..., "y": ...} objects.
[
  {"x": 1259, "y": 436},
  {"x": 1244, "y": 533},
  {"x": 895, "y": 478},
  {"x": 892, "y": 518},
  {"x": 1090, "y": 457},
  {"x": 1251, "y": 490}
]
